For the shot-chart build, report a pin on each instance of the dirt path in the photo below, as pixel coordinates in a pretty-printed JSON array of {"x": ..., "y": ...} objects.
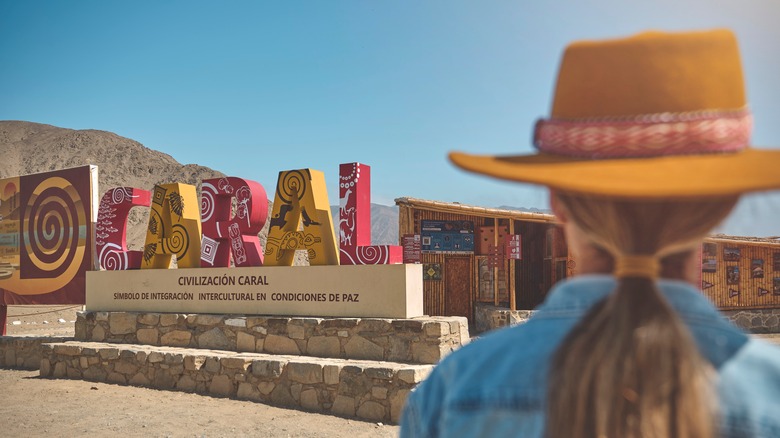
[
  {"x": 31, "y": 406},
  {"x": 41, "y": 320}
]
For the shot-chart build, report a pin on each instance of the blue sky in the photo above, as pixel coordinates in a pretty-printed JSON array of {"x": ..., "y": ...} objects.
[{"x": 252, "y": 88}]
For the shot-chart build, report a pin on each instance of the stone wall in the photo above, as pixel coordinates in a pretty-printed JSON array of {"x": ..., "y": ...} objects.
[
  {"x": 755, "y": 320},
  {"x": 374, "y": 391},
  {"x": 423, "y": 340},
  {"x": 489, "y": 317},
  {"x": 24, "y": 352}
]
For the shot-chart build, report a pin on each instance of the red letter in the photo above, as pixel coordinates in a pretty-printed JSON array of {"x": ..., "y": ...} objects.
[
  {"x": 223, "y": 234},
  {"x": 111, "y": 228},
  {"x": 355, "y": 220}
]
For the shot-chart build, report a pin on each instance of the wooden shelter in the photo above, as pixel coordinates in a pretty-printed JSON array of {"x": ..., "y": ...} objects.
[
  {"x": 458, "y": 273},
  {"x": 464, "y": 249}
]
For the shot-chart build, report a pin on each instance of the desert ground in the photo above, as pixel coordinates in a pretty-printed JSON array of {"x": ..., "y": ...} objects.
[{"x": 33, "y": 407}]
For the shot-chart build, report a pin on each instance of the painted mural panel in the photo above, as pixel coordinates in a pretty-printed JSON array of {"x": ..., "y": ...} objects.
[
  {"x": 46, "y": 223},
  {"x": 709, "y": 258}
]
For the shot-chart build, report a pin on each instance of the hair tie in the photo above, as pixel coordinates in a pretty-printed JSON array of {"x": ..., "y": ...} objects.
[{"x": 643, "y": 266}]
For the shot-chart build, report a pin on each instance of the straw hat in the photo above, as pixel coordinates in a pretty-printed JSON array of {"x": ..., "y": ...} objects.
[{"x": 656, "y": 115}]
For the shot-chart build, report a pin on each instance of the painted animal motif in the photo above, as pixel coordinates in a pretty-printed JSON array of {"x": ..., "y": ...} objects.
[
  {"x": 347, "y": 226},
  {"x": 346, "y": 219},
  {"x": 307, "y": 220},
  {"x": 280, "y": 220}
]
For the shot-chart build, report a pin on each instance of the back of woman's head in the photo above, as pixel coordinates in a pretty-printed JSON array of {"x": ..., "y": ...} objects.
[{"x": 630, "y": 368}]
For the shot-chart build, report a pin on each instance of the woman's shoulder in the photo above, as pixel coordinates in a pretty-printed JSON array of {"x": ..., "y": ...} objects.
[
  {"x": 756, "y": 361},
  {"x": 749, "y": 390},
  {"x": 500, "y": 374}
]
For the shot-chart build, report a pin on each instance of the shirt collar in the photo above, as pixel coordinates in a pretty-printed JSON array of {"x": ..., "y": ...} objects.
[{"x": 716, "y": 338}]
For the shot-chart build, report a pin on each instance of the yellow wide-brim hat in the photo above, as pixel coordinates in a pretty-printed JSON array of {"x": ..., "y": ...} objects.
[{"x": 656, "y": 115}]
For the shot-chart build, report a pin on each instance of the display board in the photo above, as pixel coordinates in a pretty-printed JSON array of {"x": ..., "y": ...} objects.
[{"x": 451, "y": 237}]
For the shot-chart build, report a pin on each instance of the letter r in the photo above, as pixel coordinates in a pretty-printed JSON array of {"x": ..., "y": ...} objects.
[{"x": 225, "y": 233}]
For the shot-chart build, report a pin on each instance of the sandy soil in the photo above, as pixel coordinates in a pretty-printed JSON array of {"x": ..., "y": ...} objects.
[
  {"x": 32, "y": 407},
  {"x": 41, "y": 320}
]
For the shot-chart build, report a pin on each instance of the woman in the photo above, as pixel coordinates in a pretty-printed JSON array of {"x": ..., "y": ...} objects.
[{"x": 643, "y": 132}]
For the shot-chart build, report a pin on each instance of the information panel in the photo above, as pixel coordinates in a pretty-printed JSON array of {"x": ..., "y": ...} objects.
[{"x": 452, "y": 237}]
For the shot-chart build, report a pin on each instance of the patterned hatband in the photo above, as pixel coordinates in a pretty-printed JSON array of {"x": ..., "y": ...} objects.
[{"x": 650, "y": 135}]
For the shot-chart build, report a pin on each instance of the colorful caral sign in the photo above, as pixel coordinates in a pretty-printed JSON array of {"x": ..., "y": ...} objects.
[
  {"x": 46, "y": 245},
  {"x": 232, "y": 213}
]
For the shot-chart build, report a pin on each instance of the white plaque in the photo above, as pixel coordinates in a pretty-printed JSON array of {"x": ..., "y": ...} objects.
[{"x": 367, "y": 291}]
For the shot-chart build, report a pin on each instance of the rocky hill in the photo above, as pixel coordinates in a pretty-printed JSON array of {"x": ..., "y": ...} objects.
[
  {"x": 384, "y": 223},
  {"x": 33, "y": 147},
  {"x": 27, "y": 148}
]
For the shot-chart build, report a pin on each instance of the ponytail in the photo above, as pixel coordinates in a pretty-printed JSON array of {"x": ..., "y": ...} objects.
[{"x": 630, "y": 367}]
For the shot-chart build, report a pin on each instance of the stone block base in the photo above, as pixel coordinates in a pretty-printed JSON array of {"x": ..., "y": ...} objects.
[
  {"x": 423, "y": 340},
  {"x": 24, "y": 352},
  {"x": 489, "y": 317},
  {"x": 755, "y": 320},
  {"x": 759, "y": 321},
  {"x": 369, "y": 390}
]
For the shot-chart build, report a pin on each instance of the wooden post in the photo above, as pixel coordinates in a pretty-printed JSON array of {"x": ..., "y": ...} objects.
[
  {"x": 3, "y": 315},
  {"x": 511, "y": 290},
  {"x": 495, "y": 268}
]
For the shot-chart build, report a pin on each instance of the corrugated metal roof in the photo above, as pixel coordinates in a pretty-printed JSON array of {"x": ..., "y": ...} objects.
[
  {"x": 743, "y": 240},
  {"x": 458, "y": 208}
]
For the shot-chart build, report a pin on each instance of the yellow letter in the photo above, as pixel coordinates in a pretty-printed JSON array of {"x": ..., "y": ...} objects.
[
  {"x": 174, "y": 227},
  {"x": 301, "y": 199}
]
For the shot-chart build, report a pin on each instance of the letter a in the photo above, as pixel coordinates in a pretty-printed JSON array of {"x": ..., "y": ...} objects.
[
  {"x": 301, "y": 199},
  {"x": 174, "y": 228},
  {"x": 223, "y": 235},
  {"x": 111, "y": 228}
]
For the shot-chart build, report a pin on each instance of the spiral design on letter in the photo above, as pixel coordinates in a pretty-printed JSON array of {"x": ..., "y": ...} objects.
[
  {"x": 118, "y": 195},
  {"x": 179, "y": 241},
  {"x": 293, "y": 184},
  {"x": 111, "y": 259},
  {"x": 372, "y": 255},
  {"x": 207, "y": 201},
  {"x": 51, "y": 224}
]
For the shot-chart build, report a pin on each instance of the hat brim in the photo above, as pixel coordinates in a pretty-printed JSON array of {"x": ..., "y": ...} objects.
[{"x": 687, "y": 176}]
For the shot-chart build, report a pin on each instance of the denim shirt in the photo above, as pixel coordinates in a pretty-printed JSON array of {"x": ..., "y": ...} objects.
[{"x": 496, "y": 385}]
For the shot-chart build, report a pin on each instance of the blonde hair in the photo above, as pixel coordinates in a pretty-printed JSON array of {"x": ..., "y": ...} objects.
[{"x": 630, "y": 368}]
